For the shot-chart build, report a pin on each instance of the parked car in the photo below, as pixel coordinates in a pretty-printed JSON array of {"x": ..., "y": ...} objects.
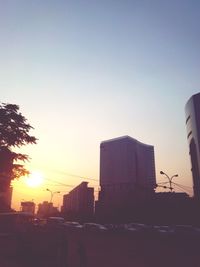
[
  {"x": 55, "y": 221},
  {"x": 111, "y": 227},
  {"x": 186, "y": 230},
  {"x": 163, "y": 230},
  {"x": 69, "y": 224},
  {"x": 94, "y": 227},
  {"x": 139, "y": 228}
]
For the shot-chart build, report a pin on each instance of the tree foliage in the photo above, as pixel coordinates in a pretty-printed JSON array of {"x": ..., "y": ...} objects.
[
  {"x": 14, "y": 129},
  {"x": 14, "y": 132}
]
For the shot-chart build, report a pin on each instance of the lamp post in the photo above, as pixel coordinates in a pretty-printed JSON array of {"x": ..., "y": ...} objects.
[
  {"x": 169, "y": 179},
  {"x": 52, "y": 194}
]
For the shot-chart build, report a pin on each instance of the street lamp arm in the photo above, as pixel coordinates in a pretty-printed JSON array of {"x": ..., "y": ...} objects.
[
  {"x": 52, "y": 194},
  {"x": 169, "y": 179},
  {"x": 175, "y": 175},
  {"x": 163, "y": 173}
]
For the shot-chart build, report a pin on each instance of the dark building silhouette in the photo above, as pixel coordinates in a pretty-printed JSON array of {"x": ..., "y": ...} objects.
[
  {"x": 6, "y": 165},
  {"x": 127, "y": 176},
  {"x": 192, "y": 110},
  {"x": 78, "y": 204},
  {"x": 28, "y": 206},
  {"x": 46, "y": 209},
  {"x": 170, "y": 208}
]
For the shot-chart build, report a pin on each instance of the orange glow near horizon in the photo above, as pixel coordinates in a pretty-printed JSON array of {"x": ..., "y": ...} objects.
[{"x": 29, "y": 188}]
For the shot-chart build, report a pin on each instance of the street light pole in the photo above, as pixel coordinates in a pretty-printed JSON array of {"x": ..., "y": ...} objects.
[
  {"x": 52, "y": 194},
  {"x": 169, "y": 179}
]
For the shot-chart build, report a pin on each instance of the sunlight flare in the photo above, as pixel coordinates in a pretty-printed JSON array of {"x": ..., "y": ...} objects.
[{"x": 35, "y": 179}]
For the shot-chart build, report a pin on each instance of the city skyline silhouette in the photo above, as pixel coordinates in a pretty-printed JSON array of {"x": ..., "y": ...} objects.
[{"x": 87, "y": 72}]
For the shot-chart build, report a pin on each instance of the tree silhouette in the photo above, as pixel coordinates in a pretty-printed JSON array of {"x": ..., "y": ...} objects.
[{"x": 14, "y": 132}]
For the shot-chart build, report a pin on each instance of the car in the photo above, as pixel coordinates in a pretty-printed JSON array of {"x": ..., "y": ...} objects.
[
  {"x": 55, "y": 221},
  {"x": 110, "y": 227},
  {"x": 196, "y": 231},
  {"x": 142, "y": 228},
  {"x": 70, "y": 224},
  {"x": 94, "y": 227},
  {"x": 182, "y": 230},
  {"x": 128, "y": 227},
  {"x": 163, "y": 230}
]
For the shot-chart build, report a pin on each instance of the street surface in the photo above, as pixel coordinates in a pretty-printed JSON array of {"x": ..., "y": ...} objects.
[{"x": 60, "y": 247}]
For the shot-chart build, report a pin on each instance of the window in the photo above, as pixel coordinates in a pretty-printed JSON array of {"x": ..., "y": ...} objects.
[
  {"x": 187, "y": 119},
  {"x": 189, "y": 134}
]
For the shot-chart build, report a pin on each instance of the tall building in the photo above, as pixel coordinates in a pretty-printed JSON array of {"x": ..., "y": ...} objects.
[
  {"x": 78, "y": 204},
  {"x": 126, "y": 160},
  {"x": 127, "y": 174},
  {"x": 192, "y": 111}
]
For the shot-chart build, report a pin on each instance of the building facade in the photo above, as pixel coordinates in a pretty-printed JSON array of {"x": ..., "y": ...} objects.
[
  {"x": 78, "y": 204},
  {"x": 28, "y": 206},
  {"x": 46, "y": 209},
  {"x": 192, "y": 111},
  {"x": 127, "y": 174}
]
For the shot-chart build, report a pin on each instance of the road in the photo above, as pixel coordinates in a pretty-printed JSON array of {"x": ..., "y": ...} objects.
[{"x": 60, "y": 247}]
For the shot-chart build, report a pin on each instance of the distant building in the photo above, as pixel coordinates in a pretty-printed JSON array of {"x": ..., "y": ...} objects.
[
  {"x": 192, "y": 110},
  {"x": 127, "y": 174},
  {"x": 28, "y": 206},
  {"x": 46, "y": 209},
  {"x": 78, "y": 204}
]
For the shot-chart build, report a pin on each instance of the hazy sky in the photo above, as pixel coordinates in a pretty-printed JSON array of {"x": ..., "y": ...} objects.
[{"x": 86, "y": 71}]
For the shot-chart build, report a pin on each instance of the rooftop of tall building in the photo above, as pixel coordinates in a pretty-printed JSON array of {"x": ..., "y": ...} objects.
[{"x": 125, "y": 137}]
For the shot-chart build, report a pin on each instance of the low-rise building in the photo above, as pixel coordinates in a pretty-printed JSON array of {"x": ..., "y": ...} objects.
[
  {"x": 28, "y": 206},
  {"x": 47, "y": 209}
]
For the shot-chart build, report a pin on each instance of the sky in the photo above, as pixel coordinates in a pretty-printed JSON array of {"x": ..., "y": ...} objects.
[{"x": 87, "y": 71}]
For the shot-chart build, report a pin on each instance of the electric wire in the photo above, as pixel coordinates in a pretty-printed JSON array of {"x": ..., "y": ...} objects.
[
  {"x": 182, "y": 188},
  {"x": 75, "y": 175},
  {"x": 162, "y": 183},
  {"x": 188, "y": 187}
]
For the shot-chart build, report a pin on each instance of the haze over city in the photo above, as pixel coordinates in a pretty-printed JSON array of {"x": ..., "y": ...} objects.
[{"x": 87, "y": 71}]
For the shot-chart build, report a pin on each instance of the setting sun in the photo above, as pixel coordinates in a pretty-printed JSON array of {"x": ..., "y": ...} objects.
[{"x": 34, "y": 179}]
